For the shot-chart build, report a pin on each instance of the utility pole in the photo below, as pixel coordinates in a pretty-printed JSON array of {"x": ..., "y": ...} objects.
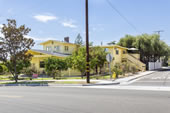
[
  {"x": 87, "y": 44},
  {"x": 159, "y": 32}
]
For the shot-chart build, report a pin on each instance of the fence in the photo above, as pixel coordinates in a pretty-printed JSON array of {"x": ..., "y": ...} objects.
[{"x": 155, "y": 65}]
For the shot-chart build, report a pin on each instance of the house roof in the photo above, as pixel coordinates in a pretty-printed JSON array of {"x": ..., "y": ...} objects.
[
  {"x": 51, "y": 53},
  {"x": 57, "y": 42},
  {"x": 111, "y": 46}
]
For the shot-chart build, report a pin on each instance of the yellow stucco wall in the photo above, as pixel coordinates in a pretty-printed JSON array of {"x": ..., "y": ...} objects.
[
  {"x": 37, "y": 58},
  {"x": 52, "y": 44},
  {"x": 117, "y": 58}
]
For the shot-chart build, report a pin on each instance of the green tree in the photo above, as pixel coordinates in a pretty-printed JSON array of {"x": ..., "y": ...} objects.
[
  {"x": 79, "y": 40},
  {"x": 127, "y": 41},
  {"x": 3, "y": 68},
  {"x": 112, "y": 43},
  {"x": 150, "y": 47},
  {"x": 78, "y": 60},
  {"x": 14, "y": 46},
  {"x": 54, "y": 66},
  {"x": 97, "y": 58}
]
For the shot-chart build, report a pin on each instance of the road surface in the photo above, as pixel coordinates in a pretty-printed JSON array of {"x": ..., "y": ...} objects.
[
  {"x": 81, "y": 100},
  {"x": 159, "y": 78}
]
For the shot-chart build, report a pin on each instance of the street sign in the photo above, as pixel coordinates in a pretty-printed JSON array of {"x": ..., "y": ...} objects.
[{"x": 109, "y": 57}]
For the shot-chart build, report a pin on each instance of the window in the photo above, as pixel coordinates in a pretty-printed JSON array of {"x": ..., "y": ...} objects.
[
  {"x": 48, "y": 48},
  {"x": 57, "y": 48},
  {"x": 66, "y": 48},
  {"x": 42, "y": 64},
  {"x": 106, "y": 49},
  {"x": 117, "y": 52},
  {"x": 124, "y": 52}
]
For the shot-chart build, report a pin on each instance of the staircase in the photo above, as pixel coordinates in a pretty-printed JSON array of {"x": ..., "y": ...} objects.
[{"x": 131, "y": 59}]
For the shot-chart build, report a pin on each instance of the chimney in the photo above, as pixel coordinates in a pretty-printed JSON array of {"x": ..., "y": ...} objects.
[{"x": 66, "y": 39}]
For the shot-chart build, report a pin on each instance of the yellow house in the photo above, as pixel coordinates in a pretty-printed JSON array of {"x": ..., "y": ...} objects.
[
  {"x": 62, "y": 49},
  {"x": 121, "y": 54},
  {"x": 168, "y": 61},
  {"x": 51, "y": 48}
]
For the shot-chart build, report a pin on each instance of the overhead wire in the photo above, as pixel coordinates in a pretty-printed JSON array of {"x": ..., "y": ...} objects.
[{"x": 122, "y": 16}]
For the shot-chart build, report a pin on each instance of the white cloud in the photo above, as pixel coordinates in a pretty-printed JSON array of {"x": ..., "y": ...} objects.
[
  {"x": 97, "y": 28},
  {"x": 69, "y": 23},
  {"x": 45, "y": 18}
]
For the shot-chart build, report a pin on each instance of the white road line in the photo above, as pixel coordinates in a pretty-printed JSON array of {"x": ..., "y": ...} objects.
[
  {"x": 10, "y": 96},
  {"x": 143, "y": 88},
  {"x": 151, "y": 81}
]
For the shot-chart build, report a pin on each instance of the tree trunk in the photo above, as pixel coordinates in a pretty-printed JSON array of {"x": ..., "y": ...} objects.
[
  {"x": 100, "y": 70},
  {"x": 53, "y": 76},
  {"x": 82, "y": 74},
  {"x": 16, "y": 78},
  {"x": 16, "y": 75},
  {"x": 96, "y": 69}
]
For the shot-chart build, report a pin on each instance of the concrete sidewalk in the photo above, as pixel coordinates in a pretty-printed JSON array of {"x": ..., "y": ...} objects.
[
  {"x": 122, "y": 80},
  {"x": 98, "y": 82}
]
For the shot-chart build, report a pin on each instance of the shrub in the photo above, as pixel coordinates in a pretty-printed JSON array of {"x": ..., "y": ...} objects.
[
  {"x": 54, "y": 66},
  {"x": 3, "y": 69},
  {"x": 30, "y": 71},
  {"x": 133, "y": 69},
  {"x": 125, "y": 68},
  {"x": 117, "y": 69}
]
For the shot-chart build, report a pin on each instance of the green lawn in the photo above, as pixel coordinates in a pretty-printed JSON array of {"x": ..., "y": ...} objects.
[
  {"x": 8, "y": 77},
  {"x": 47, "y": 82}
]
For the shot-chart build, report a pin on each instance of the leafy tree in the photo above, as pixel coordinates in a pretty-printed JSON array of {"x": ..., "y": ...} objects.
[
  {"x": 151, "y": 48},
  {"x": 79, "y": 40},
  {"x": 20, "y": 65},
  {"x": 78, "y": 60},
  {"x": 97, "y": 57},
  {"x": 14, "y": 46},
  {"x": 112, "y": 43},
  {"x": 127, "y": 41},
  {"x": 3, "y": 68},
  {"x": 54, "y": 66},
  {"x": 90, "y": 43}
]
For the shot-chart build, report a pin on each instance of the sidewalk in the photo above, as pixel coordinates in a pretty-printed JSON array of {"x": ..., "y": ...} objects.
[
  {"x": 122, "y": 80},
  {"x": 98, "y": 82}
]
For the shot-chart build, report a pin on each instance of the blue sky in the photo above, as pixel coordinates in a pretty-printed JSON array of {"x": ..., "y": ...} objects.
[{"x": 56, "y": 19}]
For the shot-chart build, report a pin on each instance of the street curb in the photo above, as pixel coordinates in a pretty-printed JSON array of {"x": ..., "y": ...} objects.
[
  {"x": 141, "y": 76},
  {"x": 115, "y": 83},
  {"x": 97, "y": 84},
  {"x": 6, "y": 85},
  {"x": 2, "y": 85}
]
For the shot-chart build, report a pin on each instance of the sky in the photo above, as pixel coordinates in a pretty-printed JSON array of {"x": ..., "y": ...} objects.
[{"x": 56, "y": 19}]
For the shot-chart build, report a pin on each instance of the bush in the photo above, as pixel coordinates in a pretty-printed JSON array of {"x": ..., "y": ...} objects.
[
  {"x": 30, "y": 71},
  {"x": 3, "y": 69},
  {"x": 117, "y": 69},
  {"x": 122, "y": 69},
  {"x": 125, "y": 68},
  {"x": 133, "y": 69},
  {"x": 54, "y": 66}
]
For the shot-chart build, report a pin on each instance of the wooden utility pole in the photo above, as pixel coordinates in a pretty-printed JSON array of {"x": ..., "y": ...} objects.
[
  {"x": 87, "y": 44},
  {"x": 159, "y": 32}
]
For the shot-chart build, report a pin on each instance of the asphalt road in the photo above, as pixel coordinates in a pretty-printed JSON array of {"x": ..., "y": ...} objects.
[
  {"x": 159, "y": 78},
  {"x": 81, "y": 100}
]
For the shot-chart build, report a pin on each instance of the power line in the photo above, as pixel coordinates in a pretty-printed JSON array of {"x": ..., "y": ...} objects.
[{"x": 121, "y": 15}]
